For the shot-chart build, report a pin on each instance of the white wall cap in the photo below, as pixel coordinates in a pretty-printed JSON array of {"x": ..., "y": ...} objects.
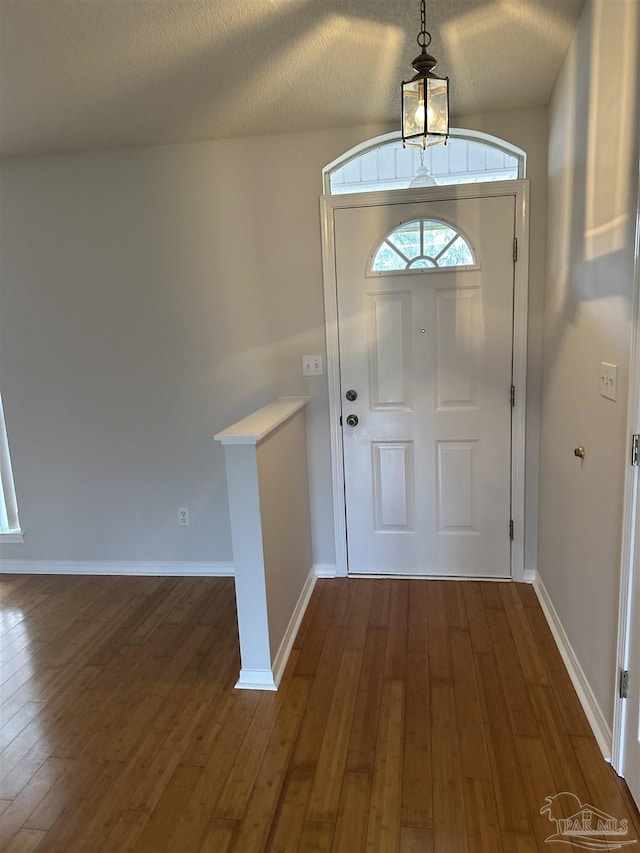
[{"x": 256, "y": 427}]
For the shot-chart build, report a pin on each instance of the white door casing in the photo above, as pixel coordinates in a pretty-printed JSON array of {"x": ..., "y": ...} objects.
[
  {"x": 625, "y": 752},
  {"x": 631, "y": 734},
  {"x": 413, "y": 302}
]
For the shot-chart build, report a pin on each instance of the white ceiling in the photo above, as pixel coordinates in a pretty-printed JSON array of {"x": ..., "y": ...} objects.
[{"x": 87, "y": 74}]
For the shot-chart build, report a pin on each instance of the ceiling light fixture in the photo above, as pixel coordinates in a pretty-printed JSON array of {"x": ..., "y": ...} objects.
[{"x": 425, "y": 98}]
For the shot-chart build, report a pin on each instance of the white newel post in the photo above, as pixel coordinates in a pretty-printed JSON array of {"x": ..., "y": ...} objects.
[{"x": 267, "y": 481}]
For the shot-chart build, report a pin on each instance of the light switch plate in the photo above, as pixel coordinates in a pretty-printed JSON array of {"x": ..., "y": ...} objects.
[
  {"x": 312, "y": 365},
  {"x": 609, "y": 381}
]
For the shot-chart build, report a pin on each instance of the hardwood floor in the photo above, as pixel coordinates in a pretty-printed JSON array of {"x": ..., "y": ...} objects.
[{"x": 414, "y": 716}]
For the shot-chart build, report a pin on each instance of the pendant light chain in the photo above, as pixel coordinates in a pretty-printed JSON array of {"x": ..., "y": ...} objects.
[{"x": 424, "y": 37}]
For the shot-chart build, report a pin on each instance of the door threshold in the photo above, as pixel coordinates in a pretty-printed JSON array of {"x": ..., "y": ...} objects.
[{"x": 399, "y": 576}]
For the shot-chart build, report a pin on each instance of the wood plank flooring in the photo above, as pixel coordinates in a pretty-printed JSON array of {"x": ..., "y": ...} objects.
[{"x": 414, "y": 717}]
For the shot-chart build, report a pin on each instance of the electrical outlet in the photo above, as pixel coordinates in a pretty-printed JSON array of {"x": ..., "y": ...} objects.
[
  {"x": 183, "y": 517},
  {"x": 312, "y": 365},
  {"x": 609, "y": 381}
]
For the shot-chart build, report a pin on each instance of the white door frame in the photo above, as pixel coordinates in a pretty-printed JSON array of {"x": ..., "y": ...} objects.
[
  {"x": 630, "y": 552},
  {"x": 519, "y": 190}
]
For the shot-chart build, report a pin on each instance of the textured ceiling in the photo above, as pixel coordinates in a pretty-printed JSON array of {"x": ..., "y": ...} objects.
[{"x": 87, "y": 74}]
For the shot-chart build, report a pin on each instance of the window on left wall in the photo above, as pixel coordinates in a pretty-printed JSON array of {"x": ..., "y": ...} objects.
[{"x": 10, "y": 530}]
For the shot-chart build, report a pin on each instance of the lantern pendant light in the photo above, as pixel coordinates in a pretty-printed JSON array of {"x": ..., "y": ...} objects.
[{"x": 425, "y": 98}]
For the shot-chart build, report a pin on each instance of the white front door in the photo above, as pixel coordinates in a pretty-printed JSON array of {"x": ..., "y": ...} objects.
[{"x": 428, "y": 352}]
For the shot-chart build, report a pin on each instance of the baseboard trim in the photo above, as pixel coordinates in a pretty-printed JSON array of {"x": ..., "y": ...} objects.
[
  {"x": 256, "y": 679},
  {"x": 282, "y": 655},
  {"x": 529, "y": 576},
  {"x": 596, "y": 718},
  {"x": 116, "y": 567},
  {"x": 324, "y": 570}
]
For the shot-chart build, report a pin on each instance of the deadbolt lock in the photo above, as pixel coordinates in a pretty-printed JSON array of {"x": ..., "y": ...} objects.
[
  {"x": 351, "y": 395},
  {"x": 352, "y": 420}
]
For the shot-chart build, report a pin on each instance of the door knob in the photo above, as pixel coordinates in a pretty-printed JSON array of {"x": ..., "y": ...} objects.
[
  {"x": 351, "y": 395},
  {"x": 352, "y": 420}
]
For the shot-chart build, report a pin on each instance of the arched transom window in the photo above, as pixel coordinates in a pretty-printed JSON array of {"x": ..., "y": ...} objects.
[
  {"x": 383, "y": 164},
  {"x": 422, "y": 244}
]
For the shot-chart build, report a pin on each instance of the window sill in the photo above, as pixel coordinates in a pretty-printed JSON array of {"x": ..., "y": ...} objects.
[{"x": 11, "y": 537}]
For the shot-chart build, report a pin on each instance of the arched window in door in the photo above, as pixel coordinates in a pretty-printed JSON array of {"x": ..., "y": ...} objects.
[
  {"x": 383, "y": 164},
  {"x": 422, "y": 244}
]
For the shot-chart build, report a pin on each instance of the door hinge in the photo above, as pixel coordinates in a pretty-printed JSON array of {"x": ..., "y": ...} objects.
[
  {"x": 624, "y": 683},
  {"x": 515, "y": 248},
  {"x": 635, "y": 449},
  {"x": 512, "y": 396},
  {"x": 511, "y": 529}
]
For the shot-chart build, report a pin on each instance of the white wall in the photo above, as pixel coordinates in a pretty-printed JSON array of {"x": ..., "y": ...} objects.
[
  {"x": 593, "y": 163},
  {"x": 151, "y": 298}
]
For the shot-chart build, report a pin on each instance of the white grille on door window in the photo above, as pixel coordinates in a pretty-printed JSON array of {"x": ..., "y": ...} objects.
[{"x": 422, "y": 244}]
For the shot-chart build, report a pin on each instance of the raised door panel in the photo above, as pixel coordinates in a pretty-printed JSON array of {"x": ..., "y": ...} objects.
[
  {"x": 459, "y": 338},
  {"x": 390, "y": 368},
  {"x": 393, "y": 486},
  {"x": 457, "y": 487}
]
